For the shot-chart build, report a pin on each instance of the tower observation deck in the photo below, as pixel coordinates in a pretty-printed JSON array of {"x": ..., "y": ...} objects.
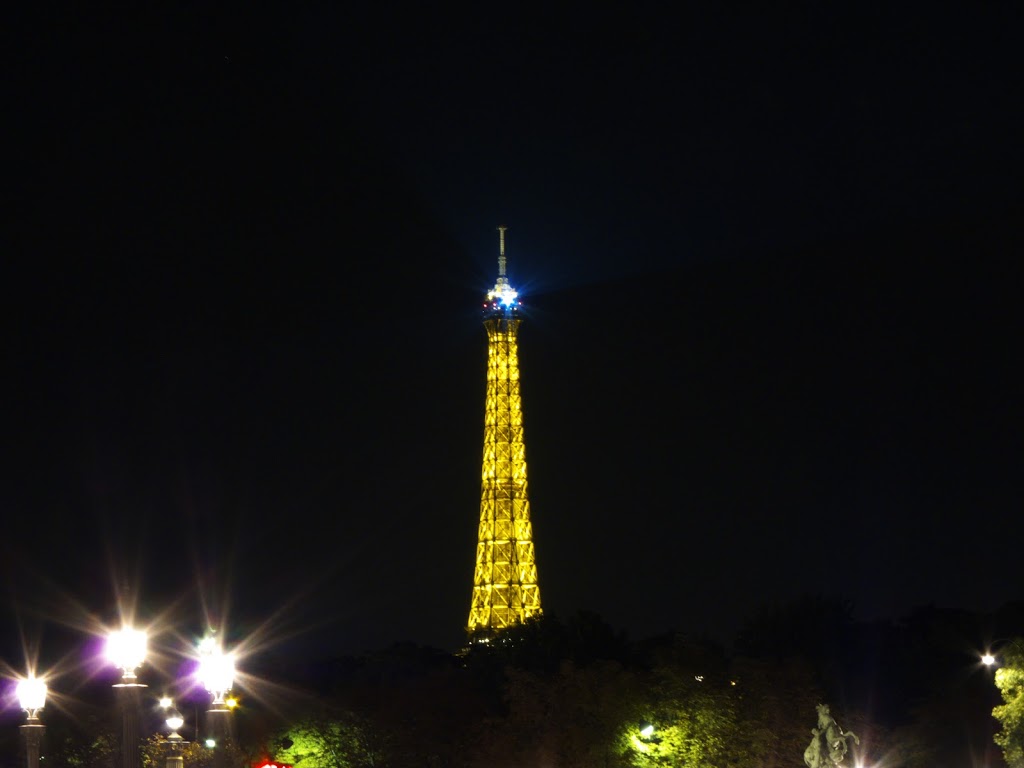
[{"x": 505, "y": 590}]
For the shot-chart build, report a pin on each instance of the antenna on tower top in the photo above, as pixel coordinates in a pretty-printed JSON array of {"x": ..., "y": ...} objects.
[
  {"x": 502, "y": 292},
  {"x": 501, "y": 250}
]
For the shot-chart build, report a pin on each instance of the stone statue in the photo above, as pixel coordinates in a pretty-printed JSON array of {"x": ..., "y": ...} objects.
[{"x": 829, "y": 744}]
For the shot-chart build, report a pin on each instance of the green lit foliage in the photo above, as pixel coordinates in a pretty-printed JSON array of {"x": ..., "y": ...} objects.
[
  {"x": 690, "y": 704},
  {"x": 338, "y": 741},
  {"x": 152, "y": 752},
  {"x": 1010, "y": 714},
  {"x": 695, "y": 724},
  {"x": 155, "y": 750}
]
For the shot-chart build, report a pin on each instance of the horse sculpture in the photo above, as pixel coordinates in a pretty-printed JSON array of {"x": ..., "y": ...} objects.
[{"x": 829, "y": 743}]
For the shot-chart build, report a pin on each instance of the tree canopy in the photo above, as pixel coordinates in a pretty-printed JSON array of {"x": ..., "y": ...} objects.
[{"x": 1010, "y": 714}]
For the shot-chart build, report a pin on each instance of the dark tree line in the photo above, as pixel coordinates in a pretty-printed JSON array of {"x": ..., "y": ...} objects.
[{"x": 578, "y": 693}]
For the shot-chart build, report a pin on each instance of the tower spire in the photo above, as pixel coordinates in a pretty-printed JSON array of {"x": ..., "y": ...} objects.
[
  {"x": 501, "y": 250},
  {"x": 502, "y": 296},
  {"x": 505, "y": 590}
]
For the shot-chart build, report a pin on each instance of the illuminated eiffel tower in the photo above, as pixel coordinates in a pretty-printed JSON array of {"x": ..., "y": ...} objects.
[{"x": 505, "y": 590}]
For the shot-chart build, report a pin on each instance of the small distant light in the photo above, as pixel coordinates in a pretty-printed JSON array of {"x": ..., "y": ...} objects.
[
  {"x": 988, "y": 659},
  {"x": 699, "y": 678},
  {"x": 211, "y": 743},
  {"x": 165, "y": 702}
]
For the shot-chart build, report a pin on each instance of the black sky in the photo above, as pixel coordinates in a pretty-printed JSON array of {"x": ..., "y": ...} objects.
[{"x": 771, "y": 261}]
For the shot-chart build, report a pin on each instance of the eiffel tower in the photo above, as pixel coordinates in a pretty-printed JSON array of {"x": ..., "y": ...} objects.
[{"x": 505, "y": 590}]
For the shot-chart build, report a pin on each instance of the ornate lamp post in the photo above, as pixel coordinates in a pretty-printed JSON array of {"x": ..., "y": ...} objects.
[
  {"x": 126, "y": 650},
  {"x": 174, "y": 741},
  {"x": 217, "y": 674},
  {"x": 32, "y": 697}
]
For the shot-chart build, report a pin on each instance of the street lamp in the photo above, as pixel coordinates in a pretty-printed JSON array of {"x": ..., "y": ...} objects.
[
  {"x": 174, "y": 722},
  {"x": 990, "y": 659},
  {"x": 216, "y": 671},
  {"x": 217, "y": 674},
  {"x": 32, "y": 697},
  {"x": 126, "y": 650}
]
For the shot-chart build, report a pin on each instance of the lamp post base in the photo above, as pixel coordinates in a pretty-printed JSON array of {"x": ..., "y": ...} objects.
[
  {"x": 174, "y": 757},
  {"x": 33, "y": 735},
  {"x": 129, "y": 696}
]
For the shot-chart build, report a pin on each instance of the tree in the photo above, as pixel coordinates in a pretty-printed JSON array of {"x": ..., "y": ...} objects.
[
  {"x": 689, "y": 704},
  {"x": 98, "y": 752},
  {"x": 195, "y": 754},
  {"x": 775, "y": 701},
  {"x": 338, "y": 741},
  {"x": 1010, "y": 714},
  {"x": 694, "y": 720},
  {"x": 573, "y": 719}
]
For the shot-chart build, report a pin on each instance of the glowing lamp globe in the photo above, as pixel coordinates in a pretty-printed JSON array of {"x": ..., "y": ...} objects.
[
  {"x": 174, "y": 720},
  {"x": 216, "y": 670},
  {"x": 988, "y": 659},
  {"x": 31, "y": 694},
  {"x": 126, "y": 649}
]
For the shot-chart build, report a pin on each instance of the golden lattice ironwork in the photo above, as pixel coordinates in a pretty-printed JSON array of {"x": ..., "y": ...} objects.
[{"x": 505, "y": 590}]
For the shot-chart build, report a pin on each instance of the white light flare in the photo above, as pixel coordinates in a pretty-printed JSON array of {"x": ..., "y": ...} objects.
[
  {"x": 216, "y": 669},
  {"x": 31, "y": 694},
  {"x": 126, "y": 649},
  {"x": 174, "y": 721}
]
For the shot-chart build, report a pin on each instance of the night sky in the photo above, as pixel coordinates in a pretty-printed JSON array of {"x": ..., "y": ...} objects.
[{"x": 771, "y": 263}]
